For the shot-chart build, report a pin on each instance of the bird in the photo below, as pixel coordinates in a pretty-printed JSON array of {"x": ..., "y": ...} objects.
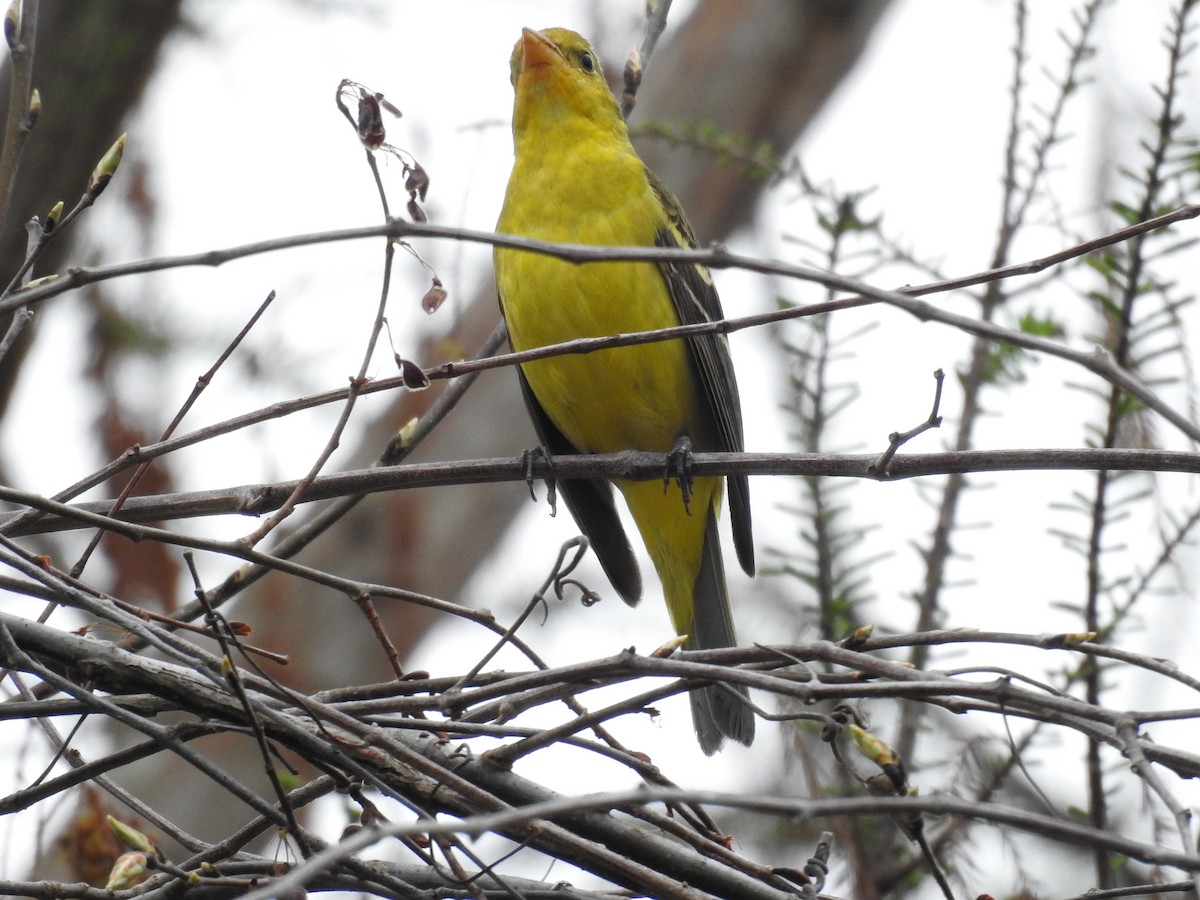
[{"x": 577, "y": 179}]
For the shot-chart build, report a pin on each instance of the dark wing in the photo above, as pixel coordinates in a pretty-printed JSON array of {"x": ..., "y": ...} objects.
[
  {"x": 696, "y": 301},
  {"x": 591, "y": 503}
]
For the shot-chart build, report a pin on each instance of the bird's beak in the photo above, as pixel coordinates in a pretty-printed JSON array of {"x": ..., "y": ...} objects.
[{"x": 537, "y": 50}]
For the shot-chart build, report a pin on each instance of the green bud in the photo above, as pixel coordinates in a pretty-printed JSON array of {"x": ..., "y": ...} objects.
[
  {"x": 53, "y": 216},
  {"x": 12, "y": 23},
  {"x": 858, "y": 636},
  {"x": 128, "y": 870},
  {"x": 130, "y": 836},
  {"x": 873, "y": 748},
  {"x": 38, "y": 282},
  {"x": 405, "y": 434},
  {"x": 106, "y": 168}
]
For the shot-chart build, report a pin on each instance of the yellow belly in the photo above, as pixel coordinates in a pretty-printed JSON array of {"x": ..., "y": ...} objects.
[
  {"x": 625, "y": 398},
  {"x": 642, "y": 397}
]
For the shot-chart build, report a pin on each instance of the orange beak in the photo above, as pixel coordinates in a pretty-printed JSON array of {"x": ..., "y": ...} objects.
[{"x": 538, "y": 50}]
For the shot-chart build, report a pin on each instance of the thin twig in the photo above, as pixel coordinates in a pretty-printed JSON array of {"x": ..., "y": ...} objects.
[
  {"x": 715, "y": 257},
  {"x": 1098, "y": 363},
  {"x": 639, "y": 57},
  {"x": 17, "y": 125},
  {"x": 201, "y": 383}
]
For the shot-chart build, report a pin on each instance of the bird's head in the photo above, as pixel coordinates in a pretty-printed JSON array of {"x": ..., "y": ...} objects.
[{"x": 557, "y": 77}]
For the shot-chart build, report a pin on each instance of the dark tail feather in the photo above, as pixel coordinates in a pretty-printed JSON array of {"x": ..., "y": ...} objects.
[{"x": 715, "y": 712}]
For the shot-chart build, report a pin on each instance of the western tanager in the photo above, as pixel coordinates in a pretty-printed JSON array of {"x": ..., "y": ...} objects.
[{"x": 577, "y": 179}]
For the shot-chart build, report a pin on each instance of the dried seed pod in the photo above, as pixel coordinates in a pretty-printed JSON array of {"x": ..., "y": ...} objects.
[{"x": 434, "y": 297}]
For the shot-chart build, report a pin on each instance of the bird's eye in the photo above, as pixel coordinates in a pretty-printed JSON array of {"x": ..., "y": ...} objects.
[{"x": 587, "y": 62}]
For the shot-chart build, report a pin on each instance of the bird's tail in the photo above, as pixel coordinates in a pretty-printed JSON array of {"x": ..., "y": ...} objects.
[{"x": 716, "y": 713}]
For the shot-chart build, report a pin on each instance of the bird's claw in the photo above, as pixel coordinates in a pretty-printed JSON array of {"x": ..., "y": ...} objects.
[
  {"x": 528, "y": 458},
  {"x": 679, "y": 468}
]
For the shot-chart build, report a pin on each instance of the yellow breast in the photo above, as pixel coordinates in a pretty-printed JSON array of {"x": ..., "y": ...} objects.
[{"x": 641, "y": 397}]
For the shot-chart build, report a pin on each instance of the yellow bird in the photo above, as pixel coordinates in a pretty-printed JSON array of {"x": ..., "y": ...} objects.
[{"x": 577, "y": 179}]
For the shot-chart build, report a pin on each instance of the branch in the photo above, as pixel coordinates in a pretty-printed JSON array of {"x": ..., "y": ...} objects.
[
  {"x": 716, "y": 257},
  {"x": 634, "y": 465},
  {"x": 20, "y": 30}
]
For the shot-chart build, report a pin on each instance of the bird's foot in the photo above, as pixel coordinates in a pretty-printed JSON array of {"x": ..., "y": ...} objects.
[
  {"x": 528, "y": 458},
  {"x": 679, "y": 469}
]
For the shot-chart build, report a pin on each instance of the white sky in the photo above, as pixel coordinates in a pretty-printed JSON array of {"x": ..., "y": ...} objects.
[{"x": 245, "y": 143}]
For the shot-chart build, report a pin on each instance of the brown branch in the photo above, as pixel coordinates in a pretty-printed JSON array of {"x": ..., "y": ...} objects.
[
  {"x": 715, "y": 257},
  {"x": 1096, "y": 362},
  {"x": 636, "y": 465}
]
